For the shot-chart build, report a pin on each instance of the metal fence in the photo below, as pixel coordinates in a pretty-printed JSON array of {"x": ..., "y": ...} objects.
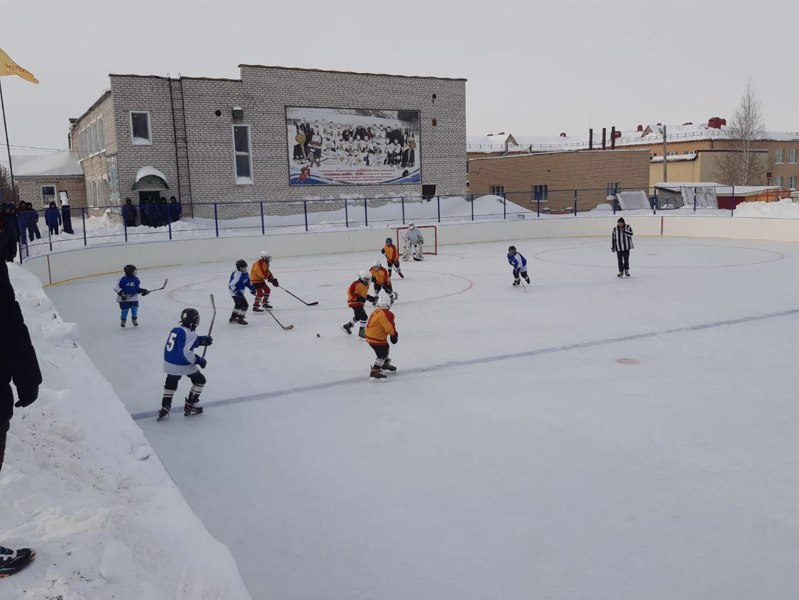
[{"x": 96, "y": 226}]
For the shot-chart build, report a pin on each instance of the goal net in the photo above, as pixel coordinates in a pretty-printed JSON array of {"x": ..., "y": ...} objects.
[{"x": 429, "y": 234}]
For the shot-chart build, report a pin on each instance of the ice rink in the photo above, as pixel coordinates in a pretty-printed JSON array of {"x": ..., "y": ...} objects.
[{"x": 587, "y": 437}]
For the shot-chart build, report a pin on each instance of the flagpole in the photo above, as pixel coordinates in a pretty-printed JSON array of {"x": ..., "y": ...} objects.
[{"x": 8, "y": 147}]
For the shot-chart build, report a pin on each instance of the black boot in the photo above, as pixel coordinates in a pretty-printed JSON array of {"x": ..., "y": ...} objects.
[{"x": 347, "y": 327}]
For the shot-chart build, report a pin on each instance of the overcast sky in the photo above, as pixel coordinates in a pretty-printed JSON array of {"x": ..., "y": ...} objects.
[{"x": 534, "y": 67}]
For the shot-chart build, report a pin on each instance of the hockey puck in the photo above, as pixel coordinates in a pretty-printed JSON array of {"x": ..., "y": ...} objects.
[{"x": 317, "y": 335}]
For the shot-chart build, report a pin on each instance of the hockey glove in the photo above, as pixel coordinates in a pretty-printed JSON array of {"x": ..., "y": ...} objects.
[
  {"x": 143, "y": 292},
  {"x": 205, "y": 340},
  {"x": 383, "y": 251},
  {"x": 27, "y": 396},
  {"x": 394, "y": 338},
  {"x": 252, "y": 292},
  {"x": 274, "y": 282},
  {"x": 199, "y": 360},
  {"x": 371, "y": 299}
]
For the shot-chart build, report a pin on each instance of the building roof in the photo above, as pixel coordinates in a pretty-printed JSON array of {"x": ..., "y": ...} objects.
[
  {"x": 721, "y": 190},
  {"x": 350, "y": 72},
  {"x": 56, "y": 164}
]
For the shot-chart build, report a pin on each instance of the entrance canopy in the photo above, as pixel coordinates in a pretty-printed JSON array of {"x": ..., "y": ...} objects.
[{"x": 149, "y": 178}]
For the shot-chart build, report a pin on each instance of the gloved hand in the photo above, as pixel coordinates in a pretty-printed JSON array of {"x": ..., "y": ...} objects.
[
  {"x": 394, "y": 338},
  {"x": 27, "y": 396},
  {"x": 613, "y": 250},
  {"x": 371, "y": 299},
  {"x": 274, "y": 282},
  {"x": 252, "y": 292},
  {"x": 199, "y": 360},
  {"x": 143, "y": 292},
  {"x": 205, "y": 340}
]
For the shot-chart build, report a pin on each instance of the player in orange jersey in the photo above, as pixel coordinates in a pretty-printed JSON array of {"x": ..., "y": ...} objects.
[
  {"x": 357, "y": 294},
  {"x": 379, "y": 330},
  {"x": 382, "y": 281},
  {"x": 392, "y": 256},
  {"x": 259, "y": 275}
]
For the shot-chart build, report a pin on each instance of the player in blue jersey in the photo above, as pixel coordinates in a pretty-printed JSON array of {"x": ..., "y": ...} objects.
[
  {"x": 519, "y": 264},
  {"x": 128, "y": 290},
  {"x": 180, "y": 360},
  {"x": 240, "y": 279}
]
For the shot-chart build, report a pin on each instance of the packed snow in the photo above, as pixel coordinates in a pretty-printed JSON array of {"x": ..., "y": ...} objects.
[{"x": 583, "y": 437}]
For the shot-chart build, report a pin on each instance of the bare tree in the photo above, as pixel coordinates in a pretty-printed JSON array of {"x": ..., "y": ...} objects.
[
  {"x": 747, "y": 164},
  {"x": 6, "y": 194}
]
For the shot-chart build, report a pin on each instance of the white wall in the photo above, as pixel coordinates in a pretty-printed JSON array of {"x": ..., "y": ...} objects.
[{"x": 97, "y": 260}]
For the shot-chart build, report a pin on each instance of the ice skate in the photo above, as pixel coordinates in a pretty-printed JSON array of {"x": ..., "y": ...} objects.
[
  {"x": 347, "y": 327},
  {"x": 387, "y": 366},
  {"x": 190, "y": 409},
  {"x": 122, "y": 323},
  {"x": 516, "y": 283},
  {"x": 362, "y": 333},
  {"x": 620, "y": 275},
  {"x": 13, "y": 561},
  {"x": 526, "y": 278},
  {"x": 135, "y": 322},
  {"x": 627, "y": 273},
  {"x": 376, "y": 373},
  {"x": 242, "y": 321},
  {"x": 257, "y": 309},
  {"x": 163, "y": 413},
  {"x": 233, "y": 318}
]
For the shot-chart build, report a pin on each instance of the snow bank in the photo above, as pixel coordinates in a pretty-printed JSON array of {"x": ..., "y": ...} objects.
[
  {"x": 783, "y": 209},
  {"x": 82, "y": 486}
]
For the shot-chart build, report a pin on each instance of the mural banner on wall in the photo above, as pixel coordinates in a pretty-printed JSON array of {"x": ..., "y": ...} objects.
[{"x": 353, "y": 146}]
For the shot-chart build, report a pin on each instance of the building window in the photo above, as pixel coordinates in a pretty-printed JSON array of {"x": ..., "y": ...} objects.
[
  {"x": 792, "y": 156},
  {"x": 48, "y": 194},
  {"x": 777, "y": 180},
  {"x": 497, "y": 190},
  {"x": 113, "y": 179},
  {"x": 613, "y": 188},
  {"x": 540, "y": 193},
  {"x": 140, "y": 132},
  {"x": 792, "y": 182},
  {"x": 243, "y": 156},
  {"x": 779, "y": 155}
]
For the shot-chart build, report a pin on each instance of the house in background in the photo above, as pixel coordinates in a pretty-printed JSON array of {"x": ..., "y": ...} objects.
[{"x": 51, "y": 177}]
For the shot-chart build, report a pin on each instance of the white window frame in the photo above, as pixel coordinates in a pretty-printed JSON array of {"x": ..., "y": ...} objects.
[
  {"x": 141, "y": 141},
  {"x": 792, "y": 182},
  {"x": 779, "y": 156},
  {"x": 46, "y": 203},
  {"x": 792, "y": 156},
  {"x": 496, "y": 190},
  {"x": 242, "y": 180},
  {"x": 777, "y": 180}
]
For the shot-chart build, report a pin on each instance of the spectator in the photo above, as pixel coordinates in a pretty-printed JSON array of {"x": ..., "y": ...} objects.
[
  {"x": 18, "y": 363},
  {"x": 8, "y": 217},
  {"x": 143, "y": 211},
  {"x": 153, "y": 214},
  {"x": 66, "y": 213},
  {"x": 31, "y": 219},
  {"x": 163, "y": 211},
  {"x": 175, "y": 209},
  {"x": 53, "y": 218},
  {"x": 129, "y": 213}
]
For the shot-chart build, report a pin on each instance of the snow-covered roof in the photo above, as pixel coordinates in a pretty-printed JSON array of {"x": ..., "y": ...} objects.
[
  {"x": 56, "y": 164},
  {"x": 722, "y": 190}
]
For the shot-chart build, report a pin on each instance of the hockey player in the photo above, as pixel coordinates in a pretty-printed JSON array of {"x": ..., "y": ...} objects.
[
  {"x": 519, "y": 264},
  {"x": 259, "y": 275},
  {"x": 357, "y": 294},
  {"x": 413, "y": 242},
  {"x": 621, "y": 242},
  {"x": 392, "y": 256},
  {"x": 379, "y": 329},
  {"x": 180, "y": 360},
  {"x": 238, "y": 281},
  {"x": 381, "y": 279},
  {"x": 128, "y": 290}
]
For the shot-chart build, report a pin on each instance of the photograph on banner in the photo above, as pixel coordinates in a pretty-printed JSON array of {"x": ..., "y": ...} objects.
[{"x": 353, "y": 146}]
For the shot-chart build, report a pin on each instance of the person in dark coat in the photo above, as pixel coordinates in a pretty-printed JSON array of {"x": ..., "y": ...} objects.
[
  {"x": 175, "y": 209},
  {"x": 143, "y": 205},
  {"x": 163, "y": 211},
  {"x": 153, "y": 214},
  {"x": 129, "y": 213},
  {"x": 66, "y": 214},
  {"x": 8, "y": 216},
  {"x": 53, "y": 218},
  {"x": 31, "y": 219},
  {"x": 18, "y": 363}
]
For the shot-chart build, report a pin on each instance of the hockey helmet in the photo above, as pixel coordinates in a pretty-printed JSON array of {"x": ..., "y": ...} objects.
[
  {"x": 190, "y": 318},
  {"x": 384, "y": 301},
  {"x": 266, "y": 255},
  {"x": 241, "y": 264},
  {"x": 375, "y": 264},
  {"x": 411, "y": 226},
  {"x": 130, "y": 270},
  {"x": 512, "y": 250},
  {"x": 389, "y": 240},
  {"x": 363, "y": 276}
]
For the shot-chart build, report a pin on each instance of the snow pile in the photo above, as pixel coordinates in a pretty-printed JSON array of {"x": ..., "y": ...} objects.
[
  {"x": 82, "y": 486},
  {"x": 783, "y": 209}
]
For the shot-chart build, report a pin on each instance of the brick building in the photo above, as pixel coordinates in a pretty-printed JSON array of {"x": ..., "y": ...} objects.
[
  {"x": 207, "y": 140},
  {"x": 552, "y": 177},
  {"x": 52, "y": 177}
]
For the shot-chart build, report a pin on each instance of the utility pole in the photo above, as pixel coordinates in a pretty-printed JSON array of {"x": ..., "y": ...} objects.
[
  {"x": 8, "y": 147},
  {"x": 665, "y": 157}
]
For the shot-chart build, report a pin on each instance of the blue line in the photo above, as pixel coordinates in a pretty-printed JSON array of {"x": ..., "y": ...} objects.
[{"x": 496, "y": 358}]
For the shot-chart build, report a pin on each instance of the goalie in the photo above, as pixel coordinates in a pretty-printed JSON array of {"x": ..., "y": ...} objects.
[{"x": 413, "y": 243}]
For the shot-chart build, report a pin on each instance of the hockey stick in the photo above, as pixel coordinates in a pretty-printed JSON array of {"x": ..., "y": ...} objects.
[
  {"x": 213, "y": 318},
  {"x": 161, "y": 288},
  {"x": 300, "y": 299},
  {"x": 285, "y": 327}
]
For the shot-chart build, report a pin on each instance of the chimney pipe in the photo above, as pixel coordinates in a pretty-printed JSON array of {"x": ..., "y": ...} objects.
[
  {"x": 613, "y": 138},
  {"x": 604, "y": 135},
  {"x": 590, "y": 139}
]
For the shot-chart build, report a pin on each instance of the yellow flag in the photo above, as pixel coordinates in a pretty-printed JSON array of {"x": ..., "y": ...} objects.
[{"x": 9, "y": 67}]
